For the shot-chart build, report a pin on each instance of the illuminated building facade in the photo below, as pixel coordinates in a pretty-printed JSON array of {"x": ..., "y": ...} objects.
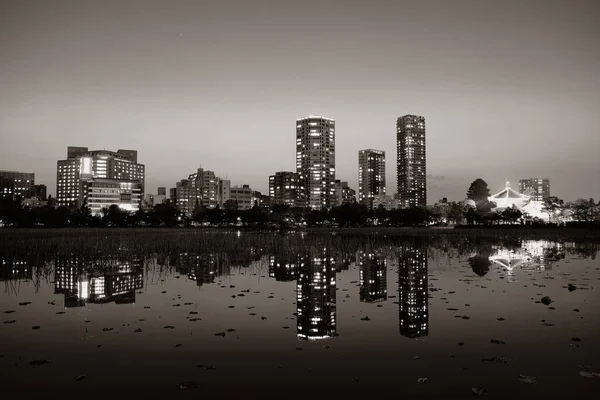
[
  {"x": 84, "y": 165},
  {"x": 283, "y": 188},
  {"x": 242, "y": 196},
  {"x": 17, "y": 184},
  {"x": 411, "y": 162},
  {"x": 15, "y": 269},
  {"x": 98, "y": 194},
  {"x": 315, "y": 162},
  {"x": 201, "y": 268},
  {"x": 200, "y": 188},
  {"x": 81, "y": 283},
  {"x": 537, "y": 188},
  {"x": 412, "y": 287},
  {"x": 316, "y": 297},
  {"x": 372, "y": 277},
  {"x": 371, "y": 176}
]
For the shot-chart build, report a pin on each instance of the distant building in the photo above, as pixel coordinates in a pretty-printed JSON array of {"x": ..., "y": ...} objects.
[
  {"x": 40, "y": 191},
  {"x": 537, "y": 188},
  {"x": 199, "y": 189},
  {"x": 99, "y": 193},
  {"x": 315, "y": 162},
  {"x": 371, "y": 175},
  {"x": 15, "y": 184},
  {"x": 224, "y": 191},
  {"x": 261, "y": 200},
  {"x": 83, "y": 165},
  {"x": 242, "y": 196},
  {"x": 412, "y": 171},
  {"x": 284, "y": 270},
  {"x": 344, "y": 193},
  {"x": 372, "y": 277},
  {"x": 162, "y": 191},
  {"x": 15, "y": 269},
  {"x": 283, "y": 188},
  {"x": 412, "y": 288},
  {"x": 173, "y": 195},
  {"x": 388, "y": 202}
]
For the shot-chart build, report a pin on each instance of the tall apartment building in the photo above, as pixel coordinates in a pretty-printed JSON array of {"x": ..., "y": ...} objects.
[
  {"x": 283, "y": 188},
  {"x": 315, "y": 161},
  {"x": 411, "y": 162},
  {"x": 83, "y": 166},
  {"x": 537, "y": 188},
  {"x": 371, "y": 175},
  {"x": 242, "y": 196},
  {"x": 343, "y": 193},
  {"x": 17, "y": 184},
  {"x": 162, "y": 191},
  {"x": 200, "y": 188}
]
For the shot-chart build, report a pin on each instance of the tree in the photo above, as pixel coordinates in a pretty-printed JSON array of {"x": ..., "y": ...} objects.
[
  {"x": 553, "y": 206},
  {"x": 511, "y": 214},
  {"x": 231, "y": 205},
  {"x": 585, "y": 210},
  {"x": 478, "y": 191}
]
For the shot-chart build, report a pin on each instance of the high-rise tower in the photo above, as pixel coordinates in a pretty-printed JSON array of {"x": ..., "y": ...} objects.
[
  {"x": 412, "y": 171},
  {"x": 371, "y": 175},
  {"x": 315, "y": 161}
]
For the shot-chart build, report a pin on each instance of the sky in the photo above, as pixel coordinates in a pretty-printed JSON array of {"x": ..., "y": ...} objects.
[{"x": 510, "y": 89}]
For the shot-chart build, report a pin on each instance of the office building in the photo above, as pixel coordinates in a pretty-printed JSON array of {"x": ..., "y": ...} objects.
[
  {"x": 40, "y": 191},
  {"x": 283, "y": 188},
  {"x": 242, "y": 196},
  {"x": 84, "y": 165},
  {"x": 388, "y": 202},
  {"x": 15, "y": 184},
  {"x": 99, "y": 193},
  {"x": 224, "y": 191},
  {"x": 412, "y": 288},
  {"x": 199, "y": 189},
  {"x": 537, "y": 188},
  {"x": 371, "y": 176},
  {"x": 343, "y": 193},
  {"x": 372, "y": 277},
  {"x": 173, "y": 195},
  {"x": 162, "y": 191},
  {"x": 316, "y": 297},
  {"x": 411, "y": 162},
  {"x": 315, "y": 162}
]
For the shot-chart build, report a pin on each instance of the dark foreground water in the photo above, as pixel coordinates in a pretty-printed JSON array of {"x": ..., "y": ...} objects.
[{"x": 413, "y": 320}]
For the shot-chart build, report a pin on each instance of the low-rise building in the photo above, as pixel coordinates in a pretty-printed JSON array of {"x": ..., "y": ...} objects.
[{"x": 242, "y": 196}]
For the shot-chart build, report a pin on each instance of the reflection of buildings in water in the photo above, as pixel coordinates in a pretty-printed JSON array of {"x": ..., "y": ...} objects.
[
  {"x": 533, "y": 254},
  {"x": 284, "y": 269},
  {"x": 14, "y": 269},
  {"x": 343, "y": 261},
  {"x": 372, "y": 277},
  {"x": 199, "y": 268},
  {"x": 84, "y": 282},
  {"x": 412, "y": 286},
  {"x": 316, "y": 297}
]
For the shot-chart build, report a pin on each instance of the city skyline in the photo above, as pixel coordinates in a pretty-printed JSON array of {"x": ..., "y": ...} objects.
[{"x": 155, "y": 80}]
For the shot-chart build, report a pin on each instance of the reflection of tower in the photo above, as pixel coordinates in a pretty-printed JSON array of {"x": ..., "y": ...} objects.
[
  {"x": 199, "y": 268},
  {"x": 412, "y": 285},
  {"x": 282, "y": 269},
  {"x": 316, "y": 304},
  {"x": 15, "y": 269},
  {"x": 86, "y": 282},
  {"x": 372, "y": 277}
]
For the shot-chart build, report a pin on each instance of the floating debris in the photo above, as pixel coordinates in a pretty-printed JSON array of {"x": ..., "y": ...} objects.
[
  {"x": 81, "y": 377},
  {"x": 527, "y": 379},
  {"x": 496, "y": 341},
  {"x": 496, "y": 360},
  {"x": 36, "y": 363},
  {"x": 571, "y": 287},
  {"x": 12, "y": 321},
  {"x": 35, "y": 327},
  {"x": 187, "y": 385},
  {"x": 365, "y": 318},
  {"x": 479, "y": 391},
  {"x": 107, "y": 329},
  {"x": 138, "y": 330},
  {"x": 222, "y": 334},
  {"x": 421, "y": 380},
  {"x": 546, "y": 300},
  {"x": 24, "y": 303},
  {"x": 588, "y": 374}
]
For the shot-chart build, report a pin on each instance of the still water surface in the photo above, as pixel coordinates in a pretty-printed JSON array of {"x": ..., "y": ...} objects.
[{"x": 410, "y": 320}]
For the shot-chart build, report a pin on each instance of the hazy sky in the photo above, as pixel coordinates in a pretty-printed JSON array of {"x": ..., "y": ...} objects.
[{"x": 510, "y": 89}]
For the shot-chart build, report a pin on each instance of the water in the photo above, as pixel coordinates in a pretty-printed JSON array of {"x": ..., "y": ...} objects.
[{"x": 358, "y": 320}]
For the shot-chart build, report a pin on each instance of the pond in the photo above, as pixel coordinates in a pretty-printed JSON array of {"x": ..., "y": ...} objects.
[{"x": 426, "y": 317}]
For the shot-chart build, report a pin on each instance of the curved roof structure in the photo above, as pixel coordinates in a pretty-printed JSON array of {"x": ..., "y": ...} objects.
[{"x": 508, "y": 198}]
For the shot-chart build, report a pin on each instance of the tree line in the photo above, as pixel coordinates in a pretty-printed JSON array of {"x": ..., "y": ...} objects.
[{"x": 477, "y": 211}]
